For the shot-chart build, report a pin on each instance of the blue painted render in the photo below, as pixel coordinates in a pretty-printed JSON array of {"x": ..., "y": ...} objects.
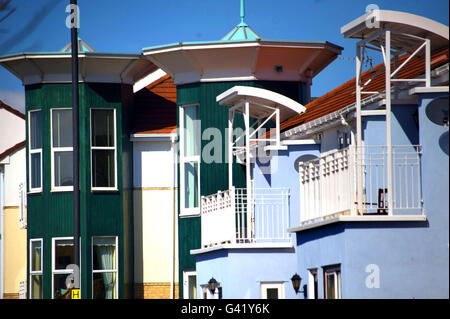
[
  {"x": 240, "y": 272},
  {"x": 410, "y": 258}
]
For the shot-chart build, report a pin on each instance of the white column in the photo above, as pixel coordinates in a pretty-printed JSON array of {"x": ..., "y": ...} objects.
[
  {"x": 230, "y": 148},
  {"x": 248, "y": 168},
  {"x": 358, "y": 148},
  {"x": 388, "y": 118}
]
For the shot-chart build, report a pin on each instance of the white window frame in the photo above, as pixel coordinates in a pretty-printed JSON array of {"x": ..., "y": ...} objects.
[
  {"x": 312, "y": 273},
  {"x": 195, "y": 211},
  {"x": 57, "y": 149},
  {"x": 273, "y": 285},
  {"x": 116, "y": 271},
  {"x": 336, "y": 271},
  {"x": 186, "y": 275},
  {"x": 61, "y": 271},
  {"x": 34, "y": 151},
  {"x": 35, "y": 272},
  {"x": 114, "y": 148}
]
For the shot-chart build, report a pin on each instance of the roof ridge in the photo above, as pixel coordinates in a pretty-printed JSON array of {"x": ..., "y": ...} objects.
[
  {"x": 12, "y": 149},
  {"x": 12, "y": 110}
]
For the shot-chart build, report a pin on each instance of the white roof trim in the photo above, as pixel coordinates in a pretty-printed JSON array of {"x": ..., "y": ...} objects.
[
  {"x": 397, "y": 17},
  {"x": 268, "y": 97},
  {"x": 149, "y": 79}
]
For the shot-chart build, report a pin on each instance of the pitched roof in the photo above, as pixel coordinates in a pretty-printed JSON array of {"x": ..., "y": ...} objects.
[
  {"x": 12, "y": 149},
  {"x": 156, "y": 107},
  {"x": 12, "y": 110},
  {"x": 344, "y": 94}
]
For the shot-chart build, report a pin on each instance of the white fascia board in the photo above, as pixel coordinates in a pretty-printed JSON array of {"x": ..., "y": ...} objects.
[
  {"x": 149, "y": 79},
  {"x": 299, "y": 142},
  {"x": 287, "y": 245},
  {"x": 155, "y": 137},
  {"x": 366, "y": 218},
  {"x": 432, "y": 89}
]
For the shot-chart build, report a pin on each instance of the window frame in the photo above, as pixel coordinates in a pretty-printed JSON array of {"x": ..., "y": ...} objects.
[
  {"x": 53, "y": 149},
  {"x": 116, "y": 271},
  {"x": 313, "y": 288},
  {"x": 186, "y": 275},
  {"x": 61, "y": 271},
  {"x": 91, "y": 148},
  {"x": 34, "y": 151},
  {"x": 279, "y": 285},
  {"x": 194, "y": 211},
  {"x": 35, "y": 272},
  {"x": 336, "y": 271}
]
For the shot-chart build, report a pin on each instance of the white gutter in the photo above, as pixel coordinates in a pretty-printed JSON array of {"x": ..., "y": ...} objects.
[
  {"x": 152, "y": 137},
  {"x": 334, "y": 118}
]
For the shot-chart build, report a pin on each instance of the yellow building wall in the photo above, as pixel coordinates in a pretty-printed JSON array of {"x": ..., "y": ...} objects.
[{"x": 15, "y": 252}]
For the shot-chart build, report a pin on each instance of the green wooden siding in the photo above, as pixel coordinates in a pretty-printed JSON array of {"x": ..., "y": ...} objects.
[
  {"x": 50, "y": 214},
  {"x": 214, "y": 176}
]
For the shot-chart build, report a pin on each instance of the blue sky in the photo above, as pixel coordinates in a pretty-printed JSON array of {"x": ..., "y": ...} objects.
[{"x": 128, "y": 26}]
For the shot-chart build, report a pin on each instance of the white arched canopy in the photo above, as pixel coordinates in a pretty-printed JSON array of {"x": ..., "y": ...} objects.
[{"x": 261, "y": 105}]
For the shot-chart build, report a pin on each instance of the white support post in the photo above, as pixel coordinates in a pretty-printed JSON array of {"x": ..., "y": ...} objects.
[
  {"x": 230, "y": 148},
  {"x": 277, "y": 119},
  {"x": 388, "y": 117},
  {"x": 359, "y": 193},
  {"x": 427, "y": 63},
  {"x": 248, "y": 169}
]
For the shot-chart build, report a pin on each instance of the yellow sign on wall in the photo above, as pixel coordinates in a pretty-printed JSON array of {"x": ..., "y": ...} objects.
[{"x": 75, "y": 294}]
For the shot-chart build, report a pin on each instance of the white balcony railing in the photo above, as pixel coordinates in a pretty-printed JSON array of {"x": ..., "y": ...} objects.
[
  {"x": 329, "y": 184},
  {"x": 232, "y": 216}
]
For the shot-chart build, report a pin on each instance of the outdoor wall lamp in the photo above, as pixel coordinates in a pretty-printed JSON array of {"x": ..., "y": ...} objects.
[
  {"x": 296, "y": 281},
  {"x": 212, "y": 285}
]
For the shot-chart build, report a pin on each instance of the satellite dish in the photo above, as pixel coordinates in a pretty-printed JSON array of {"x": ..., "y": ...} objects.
[
  {"x": 303, "y": 158},
  {"x": 437, "y": 111},
  {"x": 443, "y": 142}
]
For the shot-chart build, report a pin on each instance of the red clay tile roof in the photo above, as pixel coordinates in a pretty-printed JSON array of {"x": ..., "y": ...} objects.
[
  {"x": 344, "y": 94},
  {"x": 156, "y": 107}
]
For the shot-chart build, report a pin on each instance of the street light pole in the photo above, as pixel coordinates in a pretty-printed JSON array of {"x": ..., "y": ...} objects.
[{"x": 75, "y": 128}]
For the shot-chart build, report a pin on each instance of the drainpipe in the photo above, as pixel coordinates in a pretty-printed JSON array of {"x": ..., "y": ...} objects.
[
  {"x": 75, "y": 128},
  {"x": 2, "y": 266},
  {"x": 174, "y": 216}
]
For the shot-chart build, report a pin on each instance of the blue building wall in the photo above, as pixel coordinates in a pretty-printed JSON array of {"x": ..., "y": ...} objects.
[
  {"x": 410, "y": 258},
  {"x": 241, "y": 271}
]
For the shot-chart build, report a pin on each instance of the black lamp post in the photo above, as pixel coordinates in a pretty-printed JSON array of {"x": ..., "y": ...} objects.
[
  {"x": 212, "y": 285},
  {"x": 296, "y": 281}
]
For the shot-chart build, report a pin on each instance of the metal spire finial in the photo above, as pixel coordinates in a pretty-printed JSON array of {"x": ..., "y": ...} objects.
[{"x": 242, "y": 11}]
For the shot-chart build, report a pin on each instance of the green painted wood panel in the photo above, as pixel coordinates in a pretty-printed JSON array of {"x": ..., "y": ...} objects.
[
  {"x": 50, "y": 214},
  {"x": 214, "y": 176}
]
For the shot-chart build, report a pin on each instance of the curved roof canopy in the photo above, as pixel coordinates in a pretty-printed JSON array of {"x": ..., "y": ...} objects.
[
  {"x": 259, "y": 100},
  {"x": 56, "y": 67},
  {"x": 401, "y": 22}
]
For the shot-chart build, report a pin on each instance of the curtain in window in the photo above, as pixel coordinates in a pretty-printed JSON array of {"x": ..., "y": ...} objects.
[{"x": 106, "y": 260}]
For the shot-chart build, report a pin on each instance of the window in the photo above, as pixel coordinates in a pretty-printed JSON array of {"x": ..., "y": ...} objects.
[
  {"x": 190, "y": 160},
  {"x": 62, "y": 149},
  {"x": 36, "y": 272},
  {"x": 104, "y": 268},
  {"x": 344, "y": 139},
  {"x": 189, "y": 285},
  {"x": 62, "y": 257},
  {"x": 272, "y": 290},
  {"x": 332, "y": 282},
  {"x": 35, "y": 150},
  {"x": 103, "y": 149},
  {"x": 313, "y": 284}
]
